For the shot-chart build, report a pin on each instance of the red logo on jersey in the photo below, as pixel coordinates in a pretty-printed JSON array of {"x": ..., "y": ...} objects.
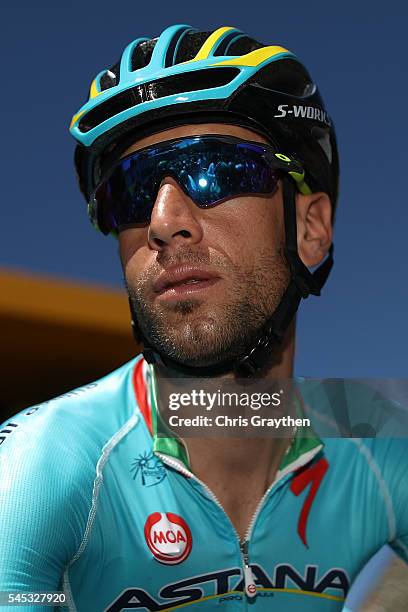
[
  {"x": 308, "y": 475},
  {"x": 168, "y": 536}
]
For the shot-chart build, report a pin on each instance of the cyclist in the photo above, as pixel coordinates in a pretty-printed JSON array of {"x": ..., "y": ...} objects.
[{"x": 213, "y": 160}]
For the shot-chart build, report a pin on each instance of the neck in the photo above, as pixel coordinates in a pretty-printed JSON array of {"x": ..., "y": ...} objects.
[{"x": 222, "y": 458}]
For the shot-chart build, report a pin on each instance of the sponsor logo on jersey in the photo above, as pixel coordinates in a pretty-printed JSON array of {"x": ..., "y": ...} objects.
[
  {"x": 169, "y": 537},
  {"x": 228, "y": 584},
  {"x": 149, "y": 468},
  {"x": 7, "y": 430},
  {"x": 308, "y": 477},
  {"x": 305, "y": 112}
]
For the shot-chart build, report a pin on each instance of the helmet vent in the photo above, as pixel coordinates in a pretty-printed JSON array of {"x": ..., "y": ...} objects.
[
  {"x": 110, "y": 78},
  {"x": 225, "y": 43},
  {"x": 286, "y": 76},
  {"x": 208, "y": 78},
  {"x": 176, "y": 40},
  {"x": 244, "y": 45},
  {"x": 142, "y": 54},
  {"x": 190, "y": 45}
]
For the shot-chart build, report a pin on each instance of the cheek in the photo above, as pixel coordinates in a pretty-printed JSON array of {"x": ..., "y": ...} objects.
[
  {"x": 246, "y": 227},
  {"x": 131, "y": 243}
]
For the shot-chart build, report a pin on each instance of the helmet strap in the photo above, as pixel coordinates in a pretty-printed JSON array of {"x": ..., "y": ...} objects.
[{"x": 257, "y": 356}]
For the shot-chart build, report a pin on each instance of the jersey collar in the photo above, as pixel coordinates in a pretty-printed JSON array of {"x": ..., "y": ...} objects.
[{"x": 304, "y": 446}]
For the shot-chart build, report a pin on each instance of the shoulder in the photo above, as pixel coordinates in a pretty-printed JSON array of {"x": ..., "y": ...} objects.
[
  {"x": 49, "y": 455},
  {"x": 58, "y": 443},
  {"x": 89, "y": 413},
  {"x": 378, "y": 467},
  {"x": 377, "y": 470},
  {"x": 385, "y": 457}
]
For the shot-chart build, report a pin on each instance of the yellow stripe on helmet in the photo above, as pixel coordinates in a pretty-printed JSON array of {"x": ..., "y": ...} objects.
[
  {"x": 94, "y": 91},
  {"x": 211, "y": 41},
  {"x": 254, "y": 58},
  {"x": 75, "y": 118}
]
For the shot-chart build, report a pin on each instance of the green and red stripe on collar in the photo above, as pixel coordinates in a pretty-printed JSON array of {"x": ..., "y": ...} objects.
[
  {"x": 300, "y": 460},
  {"x": 303, "y": 449}
]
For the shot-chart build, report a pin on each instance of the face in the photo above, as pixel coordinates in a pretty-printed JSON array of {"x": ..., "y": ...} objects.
[{"x": 203, "y": 281}]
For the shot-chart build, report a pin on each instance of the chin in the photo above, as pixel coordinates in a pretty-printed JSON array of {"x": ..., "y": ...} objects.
[{"x": 198, "y": 347}]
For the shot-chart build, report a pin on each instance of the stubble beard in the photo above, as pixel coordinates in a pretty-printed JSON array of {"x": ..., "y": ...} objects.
[{"x": 205, "y": 334}]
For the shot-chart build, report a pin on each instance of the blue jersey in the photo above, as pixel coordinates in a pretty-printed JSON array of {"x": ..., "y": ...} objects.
[{"x": 93, "y": 503}]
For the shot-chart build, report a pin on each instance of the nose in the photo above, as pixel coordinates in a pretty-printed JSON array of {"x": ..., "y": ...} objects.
[{"x": 175, "y": 218}]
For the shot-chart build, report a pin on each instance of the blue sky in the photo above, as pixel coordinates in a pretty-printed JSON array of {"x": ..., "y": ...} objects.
[{"x": 354, "y": 50}]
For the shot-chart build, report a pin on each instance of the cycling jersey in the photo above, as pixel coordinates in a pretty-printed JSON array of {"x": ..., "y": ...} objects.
[{"x": 93, "y": 503}]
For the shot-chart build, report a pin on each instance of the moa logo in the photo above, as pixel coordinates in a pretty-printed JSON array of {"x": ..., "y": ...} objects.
[{"x": 168, "y": 536}]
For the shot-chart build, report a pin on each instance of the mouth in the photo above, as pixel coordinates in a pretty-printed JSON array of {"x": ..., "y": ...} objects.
[{"x": 184, "y": 281}]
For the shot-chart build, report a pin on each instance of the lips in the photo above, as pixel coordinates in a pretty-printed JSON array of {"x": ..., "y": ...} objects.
[{"x": 188, "y": 276}]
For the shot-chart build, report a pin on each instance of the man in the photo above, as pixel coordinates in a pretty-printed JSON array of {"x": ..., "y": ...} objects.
[{"x": 213, "y": 160}]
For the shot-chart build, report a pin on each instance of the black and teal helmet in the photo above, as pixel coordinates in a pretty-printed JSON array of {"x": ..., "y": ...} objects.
[{"x": 186, "y": 76}]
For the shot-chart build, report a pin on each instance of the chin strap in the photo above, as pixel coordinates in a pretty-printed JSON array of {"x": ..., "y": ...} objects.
[{"x": 302, "y": 284}]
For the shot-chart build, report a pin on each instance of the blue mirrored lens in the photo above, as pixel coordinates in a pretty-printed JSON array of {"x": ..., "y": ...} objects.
[{"x": 209, "y": 169}]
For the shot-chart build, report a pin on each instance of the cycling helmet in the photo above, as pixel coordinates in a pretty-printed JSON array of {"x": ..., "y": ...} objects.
[{"x": 186, "y": 76}]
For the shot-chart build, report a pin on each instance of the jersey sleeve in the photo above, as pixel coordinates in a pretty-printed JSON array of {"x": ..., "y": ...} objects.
[
  {"x": 388, "y": 460},
  {"x": 396, "y": 475},
  {"x": 44, "y": 501}
]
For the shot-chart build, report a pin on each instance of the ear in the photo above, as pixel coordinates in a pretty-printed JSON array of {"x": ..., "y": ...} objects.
[{"x": 314, "y": 227}]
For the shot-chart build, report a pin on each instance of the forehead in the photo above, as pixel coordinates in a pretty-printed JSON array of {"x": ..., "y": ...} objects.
[{"x": 194, "y": 130}]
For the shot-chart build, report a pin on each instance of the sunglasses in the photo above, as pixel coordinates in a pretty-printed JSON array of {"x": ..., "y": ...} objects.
[{"x": 209, "y": 169}]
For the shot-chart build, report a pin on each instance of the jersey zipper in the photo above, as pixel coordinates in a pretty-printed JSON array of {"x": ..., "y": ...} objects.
[
  {"x": 250, "y": 586},
  {"x": 249, "y": 580},
  {"x": 281, "y": 474}
]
